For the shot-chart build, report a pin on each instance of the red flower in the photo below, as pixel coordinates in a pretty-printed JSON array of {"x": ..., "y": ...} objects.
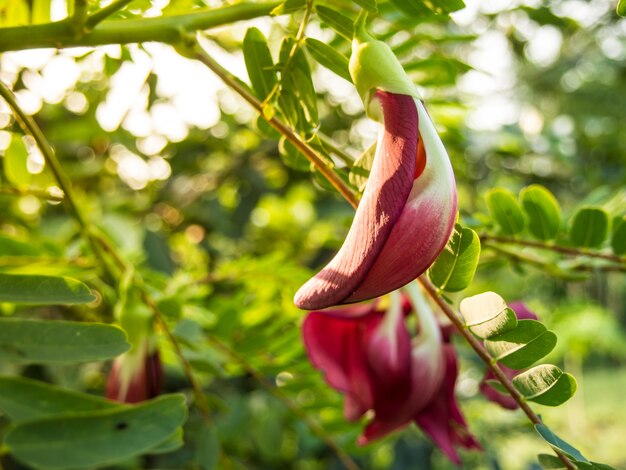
[
  {"x": 135, "y": 376},
  {"x": 504, "y": 400},
  {"x": 367, "y": 353},
  {"x": 405, "y": 217}
]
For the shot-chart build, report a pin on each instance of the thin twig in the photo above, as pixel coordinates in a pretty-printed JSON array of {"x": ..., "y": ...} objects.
[
  {"x": 568, "y": 250},
  {"x": 477, "y": 346},
  {"x": 198, "y": 394},
  {"x": 105, "y": 12},
  {"x": 277, "y": 124},
  {"x": 313, "y": 425}
]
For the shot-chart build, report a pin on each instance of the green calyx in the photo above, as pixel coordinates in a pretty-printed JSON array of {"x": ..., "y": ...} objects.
[{"x": 373, "y": 65}]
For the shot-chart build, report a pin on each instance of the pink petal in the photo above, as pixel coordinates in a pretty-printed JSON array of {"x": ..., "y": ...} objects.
[
  {"x": 386, "y": 193},
  {"x": 138, "y": 385},
  {"x": 442, "y": 420},
  {"x": 504, "y": 400},
  {"x": 335, "y": 343},
  {"x": 522, "y": 312},
  {"x": 424, "y": 227}
]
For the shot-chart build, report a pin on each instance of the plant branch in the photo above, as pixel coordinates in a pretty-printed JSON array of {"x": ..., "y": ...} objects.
[
  {"x": 567, "y": 250},
  {"x": 105, "y": 12},
  {"x": 477, "y": 346},
  {"x": 313, "y": 425},
  {"x": 242, "y": 90},
  {"x": 167, "y": 29}
]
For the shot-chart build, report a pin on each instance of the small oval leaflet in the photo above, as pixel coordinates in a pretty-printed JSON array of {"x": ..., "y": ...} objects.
[
  {"x": 56, "y": 341},
  {"x": 487, "y": 314}
]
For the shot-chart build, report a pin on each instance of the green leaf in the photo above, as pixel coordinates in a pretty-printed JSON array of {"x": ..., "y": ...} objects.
[
  {"x": 292, "y": 157},
  {"x": 342, "y": 25},
  {"x": 618, "y": 239},
  {"x": 360, "y": 171},
  {"x": 558, "y": 443},
  {"x": 455, "y": 267},
  {"x": 621, "y": 8},
  {"x": 412, "y": 7},
  {"x": 369, "y": 5},
  {"x": 505, "y": 211},
  {"x": 54, "y": 341},
  {"x": 23, "y": 399},
  {"x": 328, "y": 57},
  {"x": 297, "y": 88},
  {"x": 546, "y": 384},
  {"x": 259, "y": 63},
  {"x": 15, "y": 163},
  {"x": 96, "y": 438},
  {"x": 288, "y": 6},
  {"x": 550, "y": 462},
  {"x": 522, "y": 346},
  {"x": 43, "y": 290},
  {"x": 590, "y": 227},
  {"x": 16, "y": 13},
  {"x": 487, "y": 315},
  {"x": 543, "y": 211},
  {"x": 173, "y": 442},
  {"x": 10, "y": 246},
  {"x": 41, "y": 11}
]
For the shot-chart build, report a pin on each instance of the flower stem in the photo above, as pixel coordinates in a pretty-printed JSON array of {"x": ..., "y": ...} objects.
[
  {"x": 312, "y": 424},
  {"x": 477, "y": 346},
  {"x": 567, "y": 250}
]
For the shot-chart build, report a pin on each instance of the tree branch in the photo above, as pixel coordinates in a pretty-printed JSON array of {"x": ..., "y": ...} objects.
[
  {"x": 167, "y": 29},
  {"x": 567, "y": 250}
]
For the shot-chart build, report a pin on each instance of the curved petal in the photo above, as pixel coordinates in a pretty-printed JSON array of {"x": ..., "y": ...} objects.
[
  {"x": 336, "y": 346},
  {"x": 442, "y": 419},
  {"x": 386, "y": 193},
  {"x": 425, "y": 225}
]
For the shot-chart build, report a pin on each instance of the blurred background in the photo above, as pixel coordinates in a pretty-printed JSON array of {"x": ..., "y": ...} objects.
[{"x": 225, "y": 221}]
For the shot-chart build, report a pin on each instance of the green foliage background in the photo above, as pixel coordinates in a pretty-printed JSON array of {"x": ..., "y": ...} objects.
[{"x": 234, "y": 219}]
